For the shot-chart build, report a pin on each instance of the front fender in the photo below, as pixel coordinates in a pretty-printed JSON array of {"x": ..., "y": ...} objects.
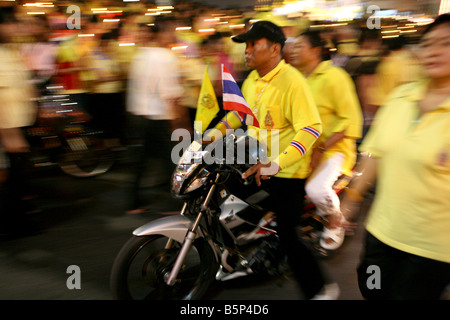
[{"x": 174, "y": 227}]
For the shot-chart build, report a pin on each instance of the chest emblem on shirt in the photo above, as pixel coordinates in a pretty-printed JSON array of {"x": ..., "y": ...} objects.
[
  {"x": 268, "y": 121},
  {"x": 443, "y": 158}
]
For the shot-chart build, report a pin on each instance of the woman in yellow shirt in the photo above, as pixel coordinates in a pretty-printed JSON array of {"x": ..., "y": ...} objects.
[
  {"x": 409, "y": 146},
  {"x": 334, "y": 152}
]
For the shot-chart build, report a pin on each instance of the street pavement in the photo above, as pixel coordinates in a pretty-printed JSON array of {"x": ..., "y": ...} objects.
[{"x": 84, "y": 226}]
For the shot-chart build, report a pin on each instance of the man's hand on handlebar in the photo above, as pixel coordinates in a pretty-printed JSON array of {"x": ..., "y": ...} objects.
[{"x": 262, "y": 171}]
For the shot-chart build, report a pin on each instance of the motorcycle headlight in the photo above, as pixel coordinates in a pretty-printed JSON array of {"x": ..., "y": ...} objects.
[
  {"x": 198, "y": 181},
  {"x": 180, "y": 175},
  {"x": 188, "y": 176}
]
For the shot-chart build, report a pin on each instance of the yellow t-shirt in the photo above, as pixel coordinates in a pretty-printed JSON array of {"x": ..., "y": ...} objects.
[
  {"x": 411, "y": 210},
  {"x": 394, "y": 70},
  {"x": 335, "y": 96},
  {"x": 284, "y": 106}
]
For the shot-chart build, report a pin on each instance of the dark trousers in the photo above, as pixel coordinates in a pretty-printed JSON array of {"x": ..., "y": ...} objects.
[
  {"x": 286, "y": 197},
  {"x": 403, "y": 276},
  {"x": 13, "y": 207},
  {"x": 108, "y": 113},
  {"x": 156, "y": 143}
]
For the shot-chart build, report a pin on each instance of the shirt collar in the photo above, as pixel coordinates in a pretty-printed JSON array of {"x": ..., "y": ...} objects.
[
  {"x": 321, "y": 68},
  {"x": 271, "y": 74},
  {"x": 419, "y": 91}
]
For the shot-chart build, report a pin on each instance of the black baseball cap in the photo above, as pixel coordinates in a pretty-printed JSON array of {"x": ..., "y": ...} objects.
[{"x": 262, "y": 29}]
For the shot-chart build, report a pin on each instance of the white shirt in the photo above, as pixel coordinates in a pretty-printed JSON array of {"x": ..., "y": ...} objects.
[{"x": 154, "y": 81}]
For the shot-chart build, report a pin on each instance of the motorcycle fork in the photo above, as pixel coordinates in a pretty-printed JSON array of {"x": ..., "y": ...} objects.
[
  {"x": 169, "y": 243},
  {"x": 190, "y": 237}
]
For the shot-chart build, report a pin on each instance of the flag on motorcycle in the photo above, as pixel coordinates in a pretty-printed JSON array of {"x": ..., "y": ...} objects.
[
  {"x": 207, "y": 105},
  {"x": 234, "y": 100}
]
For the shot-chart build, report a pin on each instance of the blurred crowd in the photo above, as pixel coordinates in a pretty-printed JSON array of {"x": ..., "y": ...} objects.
[
  {"x": 88, "y": 51},
  {"x": 91, "y": 61}
]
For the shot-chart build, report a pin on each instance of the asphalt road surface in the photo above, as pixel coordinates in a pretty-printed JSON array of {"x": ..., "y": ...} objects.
[{"x": 84, "y": 226}]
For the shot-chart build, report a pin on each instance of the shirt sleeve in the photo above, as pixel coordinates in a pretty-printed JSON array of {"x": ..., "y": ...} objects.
[
  {"x": 371, "y": 144},
  {"x": 299, "y": 146},
  {"x": 348, "y": 109},
  {"x": 304, "y": 116},
  {"x": 230, "y": 121}
]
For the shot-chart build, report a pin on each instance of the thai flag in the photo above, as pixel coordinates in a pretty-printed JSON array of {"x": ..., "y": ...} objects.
[{"x": 234, "y": 100}]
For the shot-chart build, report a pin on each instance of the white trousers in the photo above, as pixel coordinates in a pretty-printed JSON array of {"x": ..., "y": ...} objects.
[{"x": 319, "y": 188}]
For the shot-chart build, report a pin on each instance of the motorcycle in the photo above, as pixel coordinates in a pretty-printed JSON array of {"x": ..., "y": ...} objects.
[
  {"x": 223, "y": 231},
  {"x": 62, "y": 136}
]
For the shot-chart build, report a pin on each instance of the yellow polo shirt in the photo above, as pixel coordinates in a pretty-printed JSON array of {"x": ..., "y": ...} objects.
[
  {"x": 335, "y": 95},
  {"x": 284, "y": 106},
  {"x": 398, "y": 68},
  {"x": 411, "y": 210}
]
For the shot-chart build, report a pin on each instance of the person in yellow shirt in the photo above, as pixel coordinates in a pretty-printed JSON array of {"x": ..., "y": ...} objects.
[
  {"x": 334, "y": 153},
  {"x": 408, "y": 155},
  {"x": 284, "y": 106},
  {"x": 397, "y": 67}
]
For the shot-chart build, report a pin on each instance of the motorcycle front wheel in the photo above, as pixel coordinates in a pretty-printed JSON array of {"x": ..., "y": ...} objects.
[{"x": 143, "y": 265}]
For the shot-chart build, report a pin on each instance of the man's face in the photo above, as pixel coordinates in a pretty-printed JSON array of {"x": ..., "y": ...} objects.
[
  {"x": 258, "y": 52},
  {"x": 303, "y": 53}
]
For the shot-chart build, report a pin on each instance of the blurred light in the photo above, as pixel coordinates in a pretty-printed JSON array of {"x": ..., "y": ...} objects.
[
  {"x": 444, "y": 7},
  {"x": 111, "y": 20},
  {"x": 126, "y": 44},
  {"x": 157, "y": 13},
  {"x": 39, "y": 4},
  {"x": 237, "y": 26},
  {"x": 183, "y": 28},
  {"x": 329, "y": 25},
  {"x": 36, "y": 12},
  {"x": 87, "y": 35},
  {"x": 393, "y": 36},
  {"x": 207, "y": 30},
  {"x": 178, "y": 48}
]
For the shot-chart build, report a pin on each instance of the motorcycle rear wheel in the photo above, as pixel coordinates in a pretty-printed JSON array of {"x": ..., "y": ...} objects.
[
  {"x": 86, "y": 157},
  {"x": 142, "y": 265}
]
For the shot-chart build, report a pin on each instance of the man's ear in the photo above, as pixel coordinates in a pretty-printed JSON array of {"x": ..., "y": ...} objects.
[{"x": 276, "y": 49}]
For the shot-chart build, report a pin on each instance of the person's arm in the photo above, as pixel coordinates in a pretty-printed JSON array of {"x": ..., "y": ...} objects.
[
  {"x": 321, "y": 147},
  {"x": 230, "y": 121},
  {"x": 303, "y": 140},
  {"x": 363, "y": 180},
  {"x": 349, "y": 119}
]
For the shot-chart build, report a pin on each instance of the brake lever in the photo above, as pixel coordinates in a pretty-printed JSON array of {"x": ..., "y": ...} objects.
[{"x": 246, "y": 181}]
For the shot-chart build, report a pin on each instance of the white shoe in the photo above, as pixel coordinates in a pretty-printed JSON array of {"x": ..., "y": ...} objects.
[{"x": 329, "y": 291}]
